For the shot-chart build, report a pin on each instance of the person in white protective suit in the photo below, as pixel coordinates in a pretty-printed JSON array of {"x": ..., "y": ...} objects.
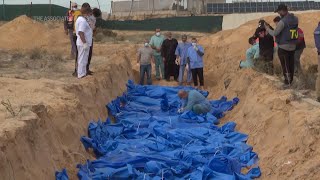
[{"x": 84, "y": 40}]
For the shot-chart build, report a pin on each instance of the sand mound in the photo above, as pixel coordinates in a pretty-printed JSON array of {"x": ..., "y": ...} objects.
[
  {"x": 283, "y": 130},
  {"x": 24, "y": 33}
]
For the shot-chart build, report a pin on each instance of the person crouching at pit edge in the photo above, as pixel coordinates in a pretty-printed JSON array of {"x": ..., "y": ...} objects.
[
  {"x": 145, "y": 56},
  {"x": 194, "y": 101},
  {"x": 195, "y": 58},
  {"x": 251, "y": 54},
  {"x": 84, "y": 41}
]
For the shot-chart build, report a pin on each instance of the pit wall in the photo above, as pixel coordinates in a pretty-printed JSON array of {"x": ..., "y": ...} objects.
[{"x": 47, "y": 137}]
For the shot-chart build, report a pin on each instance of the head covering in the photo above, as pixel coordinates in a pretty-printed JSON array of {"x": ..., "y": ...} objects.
[
  {"x": 281, "y": 7},
  {"x": 277, "y": 19},
  {"x": 74, "y": 4}
]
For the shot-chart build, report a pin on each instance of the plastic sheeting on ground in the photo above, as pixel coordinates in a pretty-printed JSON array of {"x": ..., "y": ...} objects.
[{"x": 152, "y": 141}]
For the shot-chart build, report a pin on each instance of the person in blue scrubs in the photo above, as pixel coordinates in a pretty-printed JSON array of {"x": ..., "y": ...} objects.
[
  {"x": 195, "y": 58},
  {"x": 181, "y": 53}
]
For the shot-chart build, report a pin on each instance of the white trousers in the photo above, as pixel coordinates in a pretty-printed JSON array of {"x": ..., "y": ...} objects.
[{"x": 83, "y": 56}]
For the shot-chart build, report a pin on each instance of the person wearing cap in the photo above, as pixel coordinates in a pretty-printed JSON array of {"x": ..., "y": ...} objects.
[
  {"x": 168, "y": 50},
  {"x": 156, "y": 43},
  {"x": 84, "y": 40},
  {"x": 286, "y": 33},
  {"x": 317, "y": 43},
  {"x": 266, "y": 48},
  {"x": 251, "y": 54},
  {"x": 69, "y": 27},
  {"x": 181, "y": 54}
]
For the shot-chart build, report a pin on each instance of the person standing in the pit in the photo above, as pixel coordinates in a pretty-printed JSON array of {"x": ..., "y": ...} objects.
[
  {"x": 156, "y": 43},
  {"x": 317, "y": 42},
  {"x": 301, "y": 45},
  {"x": 195, "y": 58},
  {"x": 286, "y": 33},
  {"x": 168, "y": 50},
  {"x": 181, "y": 53},
  {"x": 96, "y": 13},
  {"x": 84, "y": 40},
  {"x": 266, "y": 48},
  {"x": 145, "y": 57},
  {"x": 69, "y": 27}
]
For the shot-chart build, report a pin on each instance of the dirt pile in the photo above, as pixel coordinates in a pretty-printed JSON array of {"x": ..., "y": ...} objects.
[
  {"x": 283, "y": 128},
  {"x": 42, "y": 135},
  {"x": 24, "y": 33}
]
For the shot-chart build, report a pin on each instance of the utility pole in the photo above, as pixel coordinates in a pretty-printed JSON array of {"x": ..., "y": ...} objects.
[
  {"x": 178, "y": 7},
  {"x": 49, "y": 7},
  {"x": 3, "y": 9}
]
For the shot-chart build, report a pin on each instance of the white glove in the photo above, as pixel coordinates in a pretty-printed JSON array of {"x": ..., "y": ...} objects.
[
  {"x": 85, "y": 46},
  {"x": 195, "y": 48},
  {"x": 187, "y": 67},
  {"x": 180, "y": 110},
  {"x": 177, "y": 61}
]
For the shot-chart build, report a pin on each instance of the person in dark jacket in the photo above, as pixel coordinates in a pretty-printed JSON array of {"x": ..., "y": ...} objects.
[
  {"x": 266, "y": 47},
  {"x": 317, "y": 42},
  {"x": 286, "y": 33},
  {"x": 301, "y": 45},
  {"x": 168, "y": 50}
]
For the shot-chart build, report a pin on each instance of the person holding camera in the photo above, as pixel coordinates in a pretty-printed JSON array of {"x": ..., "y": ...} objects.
[{"x": 286, "y": 33}]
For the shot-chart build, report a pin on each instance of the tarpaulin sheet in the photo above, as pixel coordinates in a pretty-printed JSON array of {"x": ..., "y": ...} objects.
[{"x": 150, "y": 140}]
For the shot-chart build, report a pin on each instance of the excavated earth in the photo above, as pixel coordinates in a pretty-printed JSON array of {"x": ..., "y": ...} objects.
[{"x": 45, "y": 110}]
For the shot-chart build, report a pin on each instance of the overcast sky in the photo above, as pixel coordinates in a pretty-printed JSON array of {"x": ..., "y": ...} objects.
[{"x": 104, "y": 4}]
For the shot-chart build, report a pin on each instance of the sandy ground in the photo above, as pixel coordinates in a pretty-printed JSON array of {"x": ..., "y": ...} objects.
[{"x": 50, "y": 110}]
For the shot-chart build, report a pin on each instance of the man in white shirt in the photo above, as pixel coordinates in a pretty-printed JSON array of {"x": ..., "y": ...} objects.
[{"x": 84, "y": 40}]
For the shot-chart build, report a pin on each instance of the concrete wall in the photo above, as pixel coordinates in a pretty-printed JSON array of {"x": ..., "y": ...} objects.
[
  {"x": 141, "y": 13},
  {"x": 231, "y": 21},
  {"x": 142, "y": 5}
]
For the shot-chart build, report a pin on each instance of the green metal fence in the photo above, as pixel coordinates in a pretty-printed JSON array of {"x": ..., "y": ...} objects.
[
  {"x": 39, "y": 11},
  {"x": 192, "y": 24},
  {"x": 47, "y": 12}
]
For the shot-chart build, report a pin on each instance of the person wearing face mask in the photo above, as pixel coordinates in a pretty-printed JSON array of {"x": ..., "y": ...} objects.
[
  {"x": 195, "y": 58},
  {"x": 69, "y": 27},
  {"x": 168, "y": 50},
  {"x": 84, "y": 40},
  {"x": 145, "y": 57},
  {"x": 181, "y": 60},
  {"x": 156, "y": 43},
  {"x": 286, "y": 33}
]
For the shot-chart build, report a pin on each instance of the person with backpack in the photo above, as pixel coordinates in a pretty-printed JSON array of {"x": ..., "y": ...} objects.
[
  {"x": 301, "y": 45},
  {"x": 286, "y": 33},
  {"x": 69, "y": 27}
]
